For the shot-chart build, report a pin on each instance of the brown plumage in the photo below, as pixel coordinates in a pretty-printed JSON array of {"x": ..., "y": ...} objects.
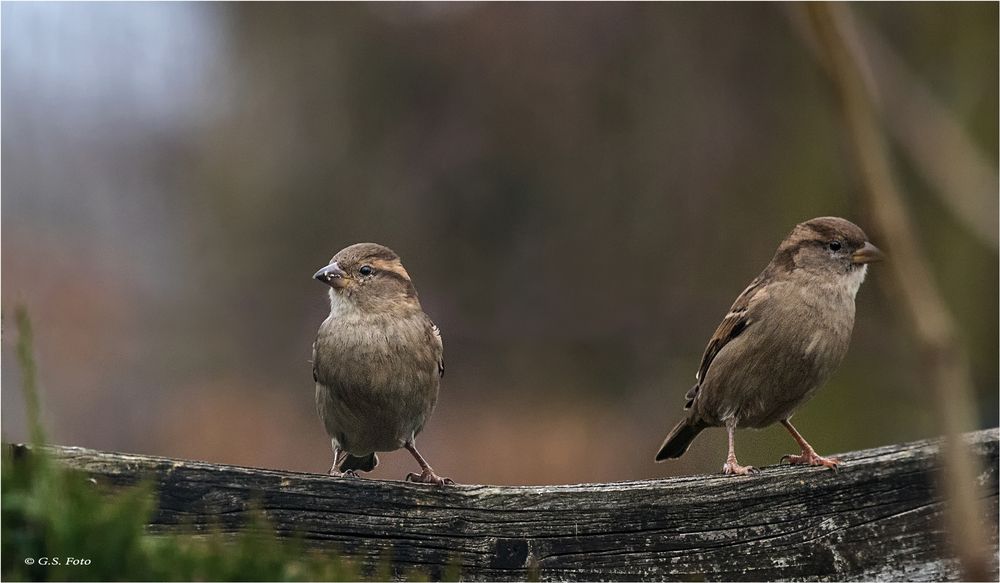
[
  {"x": 377, "y": 361},
  {"x": 782, "y": 339}
]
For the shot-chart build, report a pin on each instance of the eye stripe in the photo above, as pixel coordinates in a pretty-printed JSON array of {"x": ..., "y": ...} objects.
[
  {"x": 394, "y": 275},
  {"x": 391, "y": 267},
  {"x": 404, "y": 280}
]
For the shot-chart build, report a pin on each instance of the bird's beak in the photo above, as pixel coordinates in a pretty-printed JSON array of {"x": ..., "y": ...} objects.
[
  {"x": 332, "y": 275},
  {"x": 867, "y": 254}
]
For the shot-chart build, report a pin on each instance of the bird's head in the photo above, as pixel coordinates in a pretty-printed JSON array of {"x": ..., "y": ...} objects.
[
  {"x": 368, "y": 276},
  {"x": 827, "y": 247}
]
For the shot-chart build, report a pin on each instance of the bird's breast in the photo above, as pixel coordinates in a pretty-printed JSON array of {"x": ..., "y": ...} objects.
[
  {"x": 787, "y": 352},
  {"x": 376, "y": 380}
]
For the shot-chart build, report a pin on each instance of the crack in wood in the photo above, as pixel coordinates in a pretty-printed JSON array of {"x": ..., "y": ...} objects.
[{"x": 879, "y": 518}]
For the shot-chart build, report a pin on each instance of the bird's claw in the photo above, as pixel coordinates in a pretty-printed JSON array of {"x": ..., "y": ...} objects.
[
  {"x": 735, "y": 469},
  {"x": 811, "y": 458},
  {"x": 338, "y": 474},
  {"x": 428, "y": 477}
]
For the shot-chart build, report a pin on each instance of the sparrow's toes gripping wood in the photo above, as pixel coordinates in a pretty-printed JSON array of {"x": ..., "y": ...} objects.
[
  {"x": 338, "y": 458},
  {"x": 811, "y": 458},
  {"x": 732, "y": 467},
  {"x": 428, "y": 476}
]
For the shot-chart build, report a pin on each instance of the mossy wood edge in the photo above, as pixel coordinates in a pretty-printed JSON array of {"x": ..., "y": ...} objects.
[{"x": 878, "y": 518}]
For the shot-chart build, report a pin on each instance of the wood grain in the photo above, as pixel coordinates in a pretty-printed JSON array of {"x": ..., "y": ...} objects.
[{"x": 878, "y": 518}]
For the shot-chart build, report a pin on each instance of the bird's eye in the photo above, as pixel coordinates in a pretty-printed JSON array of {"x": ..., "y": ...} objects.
[
  {"x": 834, "y": 245},
  {"x": 366, "y": 270}
]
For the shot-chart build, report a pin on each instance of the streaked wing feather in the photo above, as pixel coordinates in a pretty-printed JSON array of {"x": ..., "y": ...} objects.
[
  {"x": 735, "y": 322},
  {"x": 313, "y": 361},
  {"x": 436, "y": 333}
]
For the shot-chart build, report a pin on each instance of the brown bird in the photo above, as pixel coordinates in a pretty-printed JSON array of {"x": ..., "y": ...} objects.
[
  {"x": 377, "y": 361},
  {"x": 781, "y": 341}
]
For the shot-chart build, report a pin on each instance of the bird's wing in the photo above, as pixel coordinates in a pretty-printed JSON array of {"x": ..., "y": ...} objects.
[
  {"x": 438, "y": 346},
  {"x": 313, "y": 362},
  {"x": 323, "y": 372},
  {"x": 735, "y": 322}
]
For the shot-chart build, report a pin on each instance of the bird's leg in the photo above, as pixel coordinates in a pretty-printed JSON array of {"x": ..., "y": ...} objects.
[
  {"x": 809, "y": 456},
  {"x": 338, "y": 458},
  {"x": 426, "y": 475},
  {"x": 732, "y": 466}
]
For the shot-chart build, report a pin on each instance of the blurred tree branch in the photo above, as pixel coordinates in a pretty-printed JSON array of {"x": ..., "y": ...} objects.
[
  {"x": 925, "y": 311},
  {"x": 941, "y": 151},
  {"x": 29, "y": 373}
]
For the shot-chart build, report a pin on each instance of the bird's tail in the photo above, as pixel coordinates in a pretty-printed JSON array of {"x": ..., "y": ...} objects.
[
  {"x": 679, "y": 439},
  {"x": 365, "y": 463}
]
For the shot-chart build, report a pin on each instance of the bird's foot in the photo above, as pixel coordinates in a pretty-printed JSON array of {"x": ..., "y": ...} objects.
[
  {"x": 731, "y": 467},
  {"x": 811, "y": 458},
  {"x": 428, "y": 477},
  {"x": 335, "y": 473}
]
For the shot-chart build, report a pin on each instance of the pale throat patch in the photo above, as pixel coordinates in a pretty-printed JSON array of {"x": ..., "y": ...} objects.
[
  {"x": 854, "y": 280},
  {"x": 340, "y": 306}
]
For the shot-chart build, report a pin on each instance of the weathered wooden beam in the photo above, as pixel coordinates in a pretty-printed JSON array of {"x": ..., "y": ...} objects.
[{"x": 878, "y": 518}]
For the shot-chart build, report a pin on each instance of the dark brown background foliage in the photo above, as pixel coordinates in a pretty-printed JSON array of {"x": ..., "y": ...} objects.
[{"x": 579, "y": 191}]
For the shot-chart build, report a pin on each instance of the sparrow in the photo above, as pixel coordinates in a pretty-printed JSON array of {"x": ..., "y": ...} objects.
[
  {"x": 377, "y": 361},
  {"x": 781, "y": 341}
]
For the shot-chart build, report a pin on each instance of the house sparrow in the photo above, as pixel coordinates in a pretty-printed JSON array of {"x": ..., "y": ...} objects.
[
  {"x": 782, "y": 339},
  {"x": 377, "y": 361}
]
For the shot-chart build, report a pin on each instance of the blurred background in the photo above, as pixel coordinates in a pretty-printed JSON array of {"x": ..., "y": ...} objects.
[{"x": 579, "y": 193}]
